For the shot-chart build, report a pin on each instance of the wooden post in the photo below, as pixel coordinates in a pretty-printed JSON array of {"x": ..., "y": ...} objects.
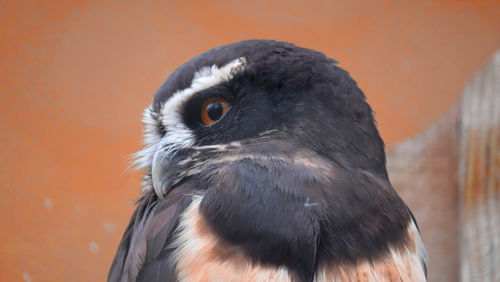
[
  {"x": 450, "y": 177},
  {"x": 479, "y": 176},
  {"x": 424, "y": 171}
]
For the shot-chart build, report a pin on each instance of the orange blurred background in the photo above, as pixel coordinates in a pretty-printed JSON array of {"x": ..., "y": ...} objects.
[{"x": 75, "y": 78}]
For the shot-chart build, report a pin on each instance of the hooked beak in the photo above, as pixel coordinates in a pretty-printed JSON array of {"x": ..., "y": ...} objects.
[
  {"x": 158, "y": 175},
  {"x": 167, "y": 169}
]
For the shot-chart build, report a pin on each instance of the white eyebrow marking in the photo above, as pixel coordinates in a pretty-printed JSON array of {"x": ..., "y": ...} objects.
[
  {"x": 179, "y": 136},
  {"x": 205, "y": 78}
]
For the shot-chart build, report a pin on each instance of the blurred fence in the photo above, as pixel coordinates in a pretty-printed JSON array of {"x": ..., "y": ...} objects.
[
  {"x": 450, "y": 178},
  {"x": 480, "y": 176}
]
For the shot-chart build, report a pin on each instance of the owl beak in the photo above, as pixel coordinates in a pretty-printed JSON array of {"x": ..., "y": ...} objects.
[
  {"x": 166, "y": 169},
  {"x": 157, "y": 175}
]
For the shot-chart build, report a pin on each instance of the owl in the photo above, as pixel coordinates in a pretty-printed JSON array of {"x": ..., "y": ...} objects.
[{"x": 262, "y": 162}]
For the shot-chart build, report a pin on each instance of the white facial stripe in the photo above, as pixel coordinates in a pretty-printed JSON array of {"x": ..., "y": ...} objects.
[
  {"x": 203, "y": 79},
  {"x": 178, "y": 134}
]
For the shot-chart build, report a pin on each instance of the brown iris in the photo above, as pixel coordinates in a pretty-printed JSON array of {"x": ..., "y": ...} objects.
[{"x": 213, "y": 110}]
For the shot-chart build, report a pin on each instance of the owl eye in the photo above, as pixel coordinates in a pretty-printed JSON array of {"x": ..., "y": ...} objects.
[{"x": 212, "y": 110}]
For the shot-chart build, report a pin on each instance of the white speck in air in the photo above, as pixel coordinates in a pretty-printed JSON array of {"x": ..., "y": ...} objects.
[
  {"x": 47, "y": 202},
  {"x": 78, "y": 208},
  {"x": 109, "y": 226},
  {"x": 94, "y": 247},
  {"x": 26, "y": 277}
]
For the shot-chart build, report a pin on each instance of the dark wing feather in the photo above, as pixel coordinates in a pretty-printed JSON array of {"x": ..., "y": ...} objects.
[{"x": 143, "y": 254}]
